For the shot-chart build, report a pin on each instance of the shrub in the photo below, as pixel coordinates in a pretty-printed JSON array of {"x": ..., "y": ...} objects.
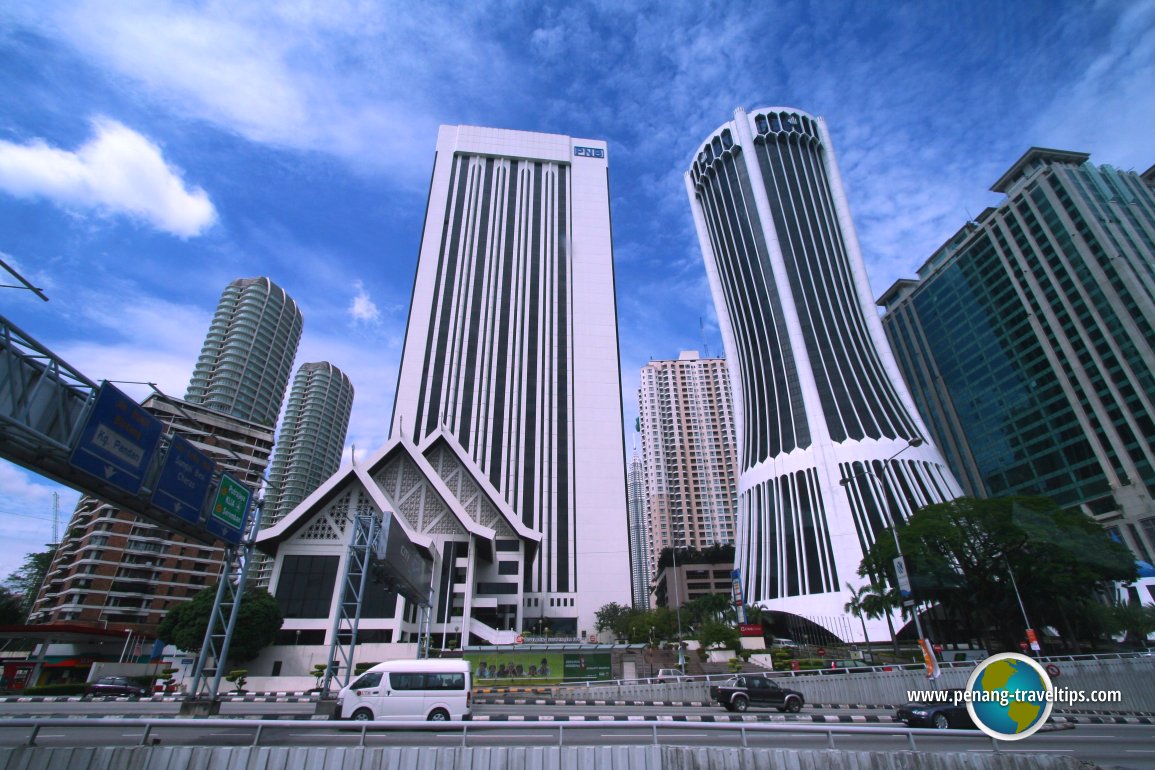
[{"x": 239, "y": 677}]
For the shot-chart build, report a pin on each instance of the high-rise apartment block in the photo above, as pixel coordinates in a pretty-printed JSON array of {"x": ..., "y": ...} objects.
[
  {"x": 115, "y": 567},
  {"x": 689, "y": 453},
  {"x": 1028, "y": 341},
  {"x": 639, "y": 534},
  {"x": 818, "y": 398},
  {"x": 505, "y": 466},
  {"x": 311, "y": 438},
  {"x": 248, "y": 353}
]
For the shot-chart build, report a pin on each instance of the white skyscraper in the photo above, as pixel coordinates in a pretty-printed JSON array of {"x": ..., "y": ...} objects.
[
  {"x": 817, "y": 395},
  {"x": 512, "y": 349},
  {"x": 504, "y": 470}
]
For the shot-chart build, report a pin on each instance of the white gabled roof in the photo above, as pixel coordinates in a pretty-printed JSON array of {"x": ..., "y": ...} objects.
[
  {"x": 268, "y": 539},
  {"x": 472, "y": 527},
  {"x": 490, "y": 491}
]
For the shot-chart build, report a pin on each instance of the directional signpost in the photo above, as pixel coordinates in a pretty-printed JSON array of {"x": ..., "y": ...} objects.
[
  {"x": 230, "y": 510},
  {"x": 184, "y": 481},
  {"x": 118, "y": 441}
]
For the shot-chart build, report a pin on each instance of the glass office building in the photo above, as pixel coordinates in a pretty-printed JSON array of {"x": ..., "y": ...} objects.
[{"x": 1028, "y": 341}]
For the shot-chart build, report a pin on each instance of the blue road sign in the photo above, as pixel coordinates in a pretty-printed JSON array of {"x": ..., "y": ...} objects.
[
  {"x": 118, "y": 441},
  {"x": 185, "y": 478},
  {"x": 230, "y": 510}
]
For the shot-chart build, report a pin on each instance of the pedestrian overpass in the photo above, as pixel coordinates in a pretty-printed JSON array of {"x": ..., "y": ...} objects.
[{"x": 57, "y": 422}]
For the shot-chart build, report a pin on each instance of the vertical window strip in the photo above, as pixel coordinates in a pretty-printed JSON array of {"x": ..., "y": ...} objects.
[
  {"x": 886, "y": 408},
  {"x": 476, "y": 332},
  {"x": 728, "y": 264},
  {"x": 780, "y": 168},
  {"x": 729, "y": 210},
  {"x": 789, "y": 411},
  {"x": 841, "y": 316},
  {"x": 431, "y": 393},
  {"x": 565, "y": 266},
  {"x": 485, "y": 402}
]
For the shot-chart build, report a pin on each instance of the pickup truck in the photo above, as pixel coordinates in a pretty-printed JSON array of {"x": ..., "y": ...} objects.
[{"x": 742, "y": 692}]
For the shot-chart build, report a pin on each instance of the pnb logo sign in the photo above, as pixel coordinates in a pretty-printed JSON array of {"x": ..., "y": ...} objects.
[{"x": 589, "y": 152}]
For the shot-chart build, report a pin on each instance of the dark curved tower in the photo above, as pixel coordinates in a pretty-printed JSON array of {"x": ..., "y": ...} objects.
[{"x": 818, "y": 398}]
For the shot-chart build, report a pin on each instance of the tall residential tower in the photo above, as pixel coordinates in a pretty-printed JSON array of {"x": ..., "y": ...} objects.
[
  {"x": 311, "y": 439},
  {"x": 248, "y": 353},
  {"x": 688, "y": 453},
  {"x": 640, "y": 569},
  {"x": 817, "y": 395}
]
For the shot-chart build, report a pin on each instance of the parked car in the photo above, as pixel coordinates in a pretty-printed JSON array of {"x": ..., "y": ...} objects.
[
  {"x": 848, "y": 665},
  {"x": 937, "y": 715},
  {"x": 742, "y": 692},
  {"x": 670, "y": 675},
  {"x": 117, "y": 685}
]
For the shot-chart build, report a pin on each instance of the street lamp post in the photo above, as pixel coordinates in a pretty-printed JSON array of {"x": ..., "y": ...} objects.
[
  {"x": 1022, "y": 607},
  {"x": 914, "y": 442},
  {"x": 678, "y": 608}
]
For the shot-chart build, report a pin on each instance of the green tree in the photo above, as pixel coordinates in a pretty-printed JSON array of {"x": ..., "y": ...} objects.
[
  {"x": 257, "y": 624},
  {"x": 879, "y": 602},
  {"x": 719, "y": 553},
  {"x": 962, "y": 555},
  {"x": 856, "y": 606},
  {"x": 655, "y": 625},
  {"x": 1135, "y": 620},
  {"x": 25, "y": 582},
  {"x": 713, "y": 634},
  {"x": 708, "y": 608},
  {"x": 11, "y": 608},
  {"x": 616, "y": 619}
]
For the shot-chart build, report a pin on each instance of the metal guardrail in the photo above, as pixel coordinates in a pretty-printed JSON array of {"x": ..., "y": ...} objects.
[{"x": 361, "y": 730}]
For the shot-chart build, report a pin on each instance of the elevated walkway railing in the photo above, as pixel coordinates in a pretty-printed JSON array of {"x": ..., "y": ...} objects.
[{"x": 296, "y": 731}]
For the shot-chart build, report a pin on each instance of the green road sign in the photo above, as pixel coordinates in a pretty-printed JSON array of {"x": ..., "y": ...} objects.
[{"x": 229, "y": 509}]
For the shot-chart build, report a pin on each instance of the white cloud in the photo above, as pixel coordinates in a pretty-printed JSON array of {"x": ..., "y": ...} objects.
[
  {"x": 26, "y": 509},
  {"x": 362, "y": 308},
  {"x": 352, "y": 79},
  {"x": 118, "y": 172},
  {"x": 1109, "y": 110}
]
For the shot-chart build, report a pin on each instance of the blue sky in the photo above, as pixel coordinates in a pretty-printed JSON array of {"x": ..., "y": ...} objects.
[{"x": 151, "y": 151}]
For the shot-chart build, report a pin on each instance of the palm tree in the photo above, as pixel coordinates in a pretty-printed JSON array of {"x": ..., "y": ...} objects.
[
  {"x": 879, "y": 602},
  {"x": 855, "y": 606}
]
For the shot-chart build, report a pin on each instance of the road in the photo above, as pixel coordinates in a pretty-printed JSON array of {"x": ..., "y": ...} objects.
[{"x": 1127, "y": 746}]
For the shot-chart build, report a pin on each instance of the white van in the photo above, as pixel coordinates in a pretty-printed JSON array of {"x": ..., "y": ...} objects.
[{"x": 432, "y": 689}]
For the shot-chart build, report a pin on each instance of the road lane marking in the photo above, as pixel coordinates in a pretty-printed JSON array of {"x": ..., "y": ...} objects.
[{"x": 1029, "y": 751}]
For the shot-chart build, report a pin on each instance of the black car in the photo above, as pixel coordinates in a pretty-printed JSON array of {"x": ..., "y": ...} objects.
[
  {"x": 952, "y": 713},
  {"x": 117, "y": 685},
  {"x": 742, "y": 692}
]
